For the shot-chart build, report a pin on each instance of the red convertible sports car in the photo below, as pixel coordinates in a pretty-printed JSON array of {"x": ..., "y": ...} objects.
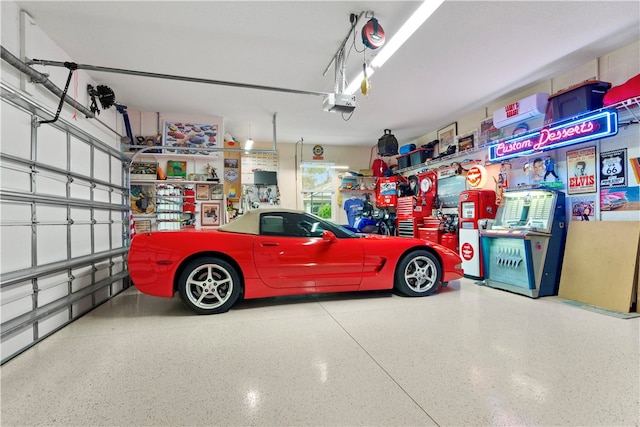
[{"x": 269, "y": 252}]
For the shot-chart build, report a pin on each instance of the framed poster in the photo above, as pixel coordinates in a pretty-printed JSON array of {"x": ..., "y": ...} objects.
[
  {"x": 613, "y": 169},
  {"x": 190, "y": 137},
  {"x": 142, "y": 199},
  {"x": 583, "y": 208},
  {"x": 202, "y": 191},
  {"x": 144, "y": 171},
  {"x": 231, "y": 163},
  {"x": 142, "y": 226},
  {"x": 581, "y": 170},
  {"x": 210, "y": 214},
  {"x": 620, "y": 199},
  {"x": 466, "y": 142},
  {"x": 488, "y": 132},
  {"x": 447, "y": 137},
  {"x": 176, "y": 169}
]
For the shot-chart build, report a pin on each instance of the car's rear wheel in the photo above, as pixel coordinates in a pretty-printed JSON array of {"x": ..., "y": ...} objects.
[
  {"x": 209, "y": 285},
  {"x": 418, "y": 274}
]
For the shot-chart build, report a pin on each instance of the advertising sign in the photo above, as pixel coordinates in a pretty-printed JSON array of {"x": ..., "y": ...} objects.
[
  {"x": 613, "y": 170},
  {"x": 594, "y": 126},
  {"x": 581, "y": 170}
]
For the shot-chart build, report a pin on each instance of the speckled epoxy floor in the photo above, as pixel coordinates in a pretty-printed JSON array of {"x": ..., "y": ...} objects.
[{"x": 469, "y": 356}]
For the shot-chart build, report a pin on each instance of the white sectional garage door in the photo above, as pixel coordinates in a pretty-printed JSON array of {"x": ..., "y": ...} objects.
[{"x": 64, "y": 224}]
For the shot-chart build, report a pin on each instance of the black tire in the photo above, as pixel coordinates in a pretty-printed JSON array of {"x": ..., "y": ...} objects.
[
  {"x": 209, "y": 285},
  {"x": 418, "y": 274}
]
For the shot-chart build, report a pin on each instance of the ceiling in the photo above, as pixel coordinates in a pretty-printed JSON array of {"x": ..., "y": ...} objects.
[{"x": 466, "y": 55}]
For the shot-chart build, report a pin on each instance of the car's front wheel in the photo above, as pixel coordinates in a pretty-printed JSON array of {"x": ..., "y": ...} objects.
[
  {"x": 209, "y": 285},
  {"x": 418, "y": 274}
]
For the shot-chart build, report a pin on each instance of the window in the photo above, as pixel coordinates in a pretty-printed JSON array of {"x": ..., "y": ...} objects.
[
  {"x": 318, "y": 188},
  {"x": 288, "y": 224}
]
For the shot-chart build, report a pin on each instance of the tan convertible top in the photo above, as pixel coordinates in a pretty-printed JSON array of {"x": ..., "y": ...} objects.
[{"x": 249, "y": 222}]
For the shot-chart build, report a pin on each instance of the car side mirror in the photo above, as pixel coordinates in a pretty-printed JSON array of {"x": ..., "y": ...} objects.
[{"x": 328, "y": 236}]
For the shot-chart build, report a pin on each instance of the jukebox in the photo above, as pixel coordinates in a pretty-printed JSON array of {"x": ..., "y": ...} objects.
[{"x": 523, "y": 249}]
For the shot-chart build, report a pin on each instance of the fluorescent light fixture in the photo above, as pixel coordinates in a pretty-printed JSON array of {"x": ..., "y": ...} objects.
[
  {"x": 414, "y": 22},
  {"x": 248, "y": 144},
  {"x": 339, "y": 167}
]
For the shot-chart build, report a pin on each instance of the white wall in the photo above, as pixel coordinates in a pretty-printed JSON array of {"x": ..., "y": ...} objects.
[
  {"x": 615, "y": 67},
  {"x": 24, "y": 39}
]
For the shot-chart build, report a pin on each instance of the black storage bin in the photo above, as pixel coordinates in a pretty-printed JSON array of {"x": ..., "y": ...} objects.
[
  {"x": 387, "y": 144},
  {"x": 404, "y": 161},
  {"x": 582, "y": 98},
  {"x": 420, "y": 155}
]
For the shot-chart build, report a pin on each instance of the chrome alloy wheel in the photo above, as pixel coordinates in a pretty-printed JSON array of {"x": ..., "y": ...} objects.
[
  {"x": 421, "y": 274},
  {"x": 209, "y": 286}
]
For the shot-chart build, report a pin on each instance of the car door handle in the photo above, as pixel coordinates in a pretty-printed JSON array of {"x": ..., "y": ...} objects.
[{"x": 270, "y": 244}]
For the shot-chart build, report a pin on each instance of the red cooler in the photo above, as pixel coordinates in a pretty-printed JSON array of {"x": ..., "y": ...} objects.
[{"x": 474, "y": 205}]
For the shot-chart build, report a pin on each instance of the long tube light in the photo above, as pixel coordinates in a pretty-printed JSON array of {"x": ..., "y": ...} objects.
[{"x": 414, "y": 22}]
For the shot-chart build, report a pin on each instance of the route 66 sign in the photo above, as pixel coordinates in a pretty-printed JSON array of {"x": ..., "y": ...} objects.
[{"x": 612, "y": 168}]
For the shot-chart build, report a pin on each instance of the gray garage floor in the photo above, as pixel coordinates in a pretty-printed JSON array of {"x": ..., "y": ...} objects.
[{"x": 470, "y": 355}]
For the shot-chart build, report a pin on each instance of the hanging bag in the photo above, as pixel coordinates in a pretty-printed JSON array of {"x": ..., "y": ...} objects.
[{"x": 387, "y": 144}]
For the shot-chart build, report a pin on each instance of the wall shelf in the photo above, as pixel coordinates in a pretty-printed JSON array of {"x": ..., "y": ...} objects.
[
  {"x": 171, "y": 182},
  {"x": 628, "y": 113}
]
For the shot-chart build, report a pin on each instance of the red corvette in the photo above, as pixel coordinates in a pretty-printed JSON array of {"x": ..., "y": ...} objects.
[{"x": 267, "y": 253}]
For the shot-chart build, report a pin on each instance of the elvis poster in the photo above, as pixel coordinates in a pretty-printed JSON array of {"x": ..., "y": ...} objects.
[{"x": 581, "y": 170}]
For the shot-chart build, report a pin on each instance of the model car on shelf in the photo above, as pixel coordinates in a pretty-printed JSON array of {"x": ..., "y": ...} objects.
[{"x": 276, "y": 252}]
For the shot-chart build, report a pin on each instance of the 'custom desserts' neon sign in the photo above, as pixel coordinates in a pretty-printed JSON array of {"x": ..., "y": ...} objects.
[{"x": 594, "y": 126}]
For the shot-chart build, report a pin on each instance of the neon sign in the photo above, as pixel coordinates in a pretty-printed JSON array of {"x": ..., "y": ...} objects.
[{"x": 594, "y": 126}]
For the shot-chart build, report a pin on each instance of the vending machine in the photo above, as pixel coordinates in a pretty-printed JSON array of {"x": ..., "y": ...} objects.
[
  {"x": 475, "y": 205},
  {"x": 523, "y": 249}
]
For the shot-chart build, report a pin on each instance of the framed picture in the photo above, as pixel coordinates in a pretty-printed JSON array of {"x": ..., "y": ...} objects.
[
  {"x": 189, "y": 137},
  {"x": 210, "y": 214},
  {"x": 143, "y": 199},
  {"x": 202, "y": 191},
  {"x": 176, "y": 169},
  {"x": 583, "y": 208},
  {"x": 613, "y": 169},
  {"x": 217, "y": 192},
  {"x": 466, "y": 142},
  {"x": 144, "y": 171},
  {"x": 581, "y": 170},
  {"x": 447, "y": 137},
  {"x": 142, "y": 226},
  {"x": 488, "y": 132},
  {"x": 231, "y": 163}
]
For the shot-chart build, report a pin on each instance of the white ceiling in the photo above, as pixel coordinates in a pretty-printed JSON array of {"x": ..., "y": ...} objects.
[{"x": 466, "y": 55}]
